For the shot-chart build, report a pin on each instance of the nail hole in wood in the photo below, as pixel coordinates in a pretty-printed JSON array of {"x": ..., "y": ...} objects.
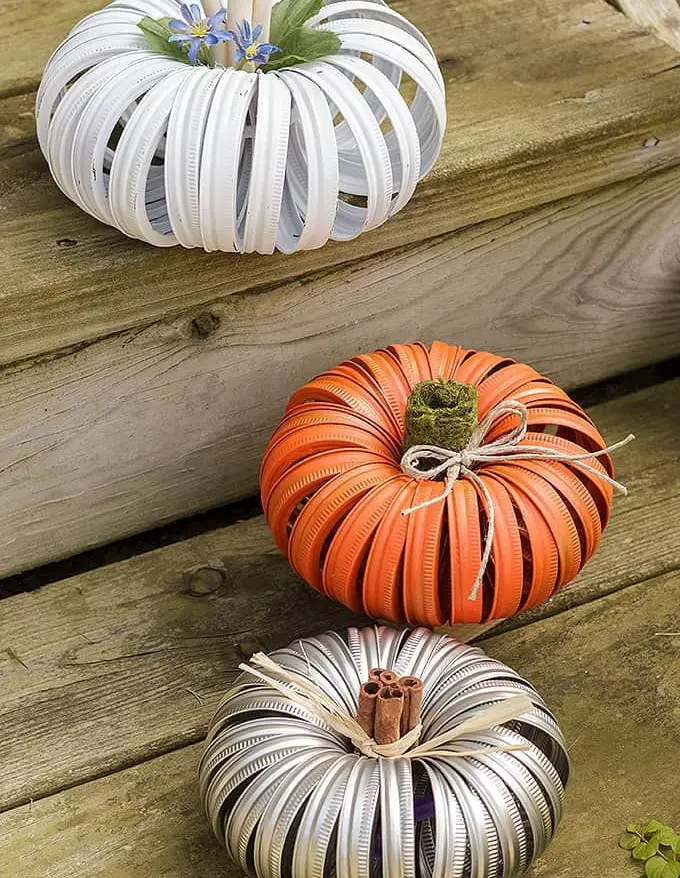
[{"x": 204, "y": 324}]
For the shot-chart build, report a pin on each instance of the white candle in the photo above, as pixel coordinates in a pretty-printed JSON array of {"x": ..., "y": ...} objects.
[
  {"x": 262, "y": 14},
  {"x": 220, "y": 54},
  {"x": 237, "y": 10}
]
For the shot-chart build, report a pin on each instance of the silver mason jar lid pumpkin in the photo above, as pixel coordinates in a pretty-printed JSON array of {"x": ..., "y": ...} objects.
[{"x": 289, "y": 796}]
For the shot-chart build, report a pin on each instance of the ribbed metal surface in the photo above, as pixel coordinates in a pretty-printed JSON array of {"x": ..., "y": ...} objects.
[{"x": 289, "y": 798}]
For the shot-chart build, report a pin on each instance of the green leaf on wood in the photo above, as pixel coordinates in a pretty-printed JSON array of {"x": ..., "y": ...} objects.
[
  {"x": 629, "y": 840},
  {"x": 666, "y": 836},
  {"x": 654, "y": 826},
  {"x": 645, "y": 850},
  {"x": 654, "y": 867}
]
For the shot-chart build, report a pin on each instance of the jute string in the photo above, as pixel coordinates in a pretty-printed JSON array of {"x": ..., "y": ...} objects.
[
  {"x": 306, "y": 694},
  {"x": 430, "y": 462}
]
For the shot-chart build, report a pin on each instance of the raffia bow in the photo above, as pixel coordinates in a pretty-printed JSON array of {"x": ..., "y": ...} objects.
[
  {"x": 305, "y": 693},
  {"x": 430, "y": 462}
]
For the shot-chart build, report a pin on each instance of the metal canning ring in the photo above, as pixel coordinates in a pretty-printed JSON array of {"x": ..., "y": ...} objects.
[
  {"x": 289, "y": 797},
  {"x": 243, "y": 817},
  {"x": 397, "y": 818},
  {"x": 281, "y": 811},
  {"x": 358, "y": 816}
]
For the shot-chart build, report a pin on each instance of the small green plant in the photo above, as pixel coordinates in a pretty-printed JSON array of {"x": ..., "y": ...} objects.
[{"x": 656, "y": 845}]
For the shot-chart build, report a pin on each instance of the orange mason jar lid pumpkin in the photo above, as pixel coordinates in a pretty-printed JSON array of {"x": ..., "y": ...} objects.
[{"x": 436, "y": 485}]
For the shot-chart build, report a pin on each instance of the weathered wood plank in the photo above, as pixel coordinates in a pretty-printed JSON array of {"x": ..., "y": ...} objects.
[
  {"x": 151, "y": 425},
  {"x": 546, "y": 99},
  {"x": 614, "y": 686},
  {"x": 661, "y": 17},
  {"x": 120, "y": 664}
]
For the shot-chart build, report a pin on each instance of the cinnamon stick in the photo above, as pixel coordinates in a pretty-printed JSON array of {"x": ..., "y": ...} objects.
[
  {"x": 367, "y": 702},
  {"x": 374, "y": 673},
  {"x": 389, "y": 678},
  {"x": 413, "y": 700},
  {"x": 388, "y": 710}
]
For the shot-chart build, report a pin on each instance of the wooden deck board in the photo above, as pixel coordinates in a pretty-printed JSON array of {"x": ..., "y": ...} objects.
[
  {"x": 163, "y": 424},
  {"x": 120, "y": 664},
  {"x": 613, "y": 684},
  {"x": 545, "y": 99}
]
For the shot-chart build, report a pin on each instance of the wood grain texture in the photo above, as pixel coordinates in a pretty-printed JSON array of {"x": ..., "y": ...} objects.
[
  {"x": 545, "y": 99},
  {"x": 154, "y": 424},
  {"x": 119, "y": 664},
  {"x": 614, "y": 686},
  {"x": 661, "y": 17}
]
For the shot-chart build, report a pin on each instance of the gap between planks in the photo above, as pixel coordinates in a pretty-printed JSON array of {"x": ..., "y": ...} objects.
[{"x": 109, "y": 668}]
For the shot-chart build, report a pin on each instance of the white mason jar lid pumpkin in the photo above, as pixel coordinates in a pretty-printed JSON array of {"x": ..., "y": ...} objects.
[{"x": 240, "y": 161}]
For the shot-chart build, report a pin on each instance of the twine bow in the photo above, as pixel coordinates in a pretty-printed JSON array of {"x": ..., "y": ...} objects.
[
  {"x": 430, "y": 462},
  {"x": 305, "y": 693}
]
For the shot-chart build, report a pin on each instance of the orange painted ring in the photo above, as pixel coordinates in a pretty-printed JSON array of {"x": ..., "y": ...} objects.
[
  {"x": 600, "y": 490},
  {"x": 307, "y": 441},
  {"x": 385, "y": 370},
  {"x": 465, "y": 552},
  {"x": 308, "y": 413},
  {"x": 301, "y": 481},
  {"x": 543, "y": 392},
  {"x": 587, "y": 436},
  {"x": 422, "y": 554},
  {"x": 343, "y": 391},
  {"x": 456, "y": 356},
  {"x": 383, "y": 581},
  {"x": 577, "y": 497},
  {"x": 475, "y": 368},
  {"x": 504, "y": 425},
  {"x": 414, "y": 361},
  {"x": 544, "y": 558},
  {"x": 502, "y": 385},
  {"x": 353, "y": 371},
  {"x": 342, "y": 572},
  {"x": 324, "y": 512},
  {"x": 558, "y": 518},
  {"x": 506, "y": 553},
  {"x": 325, "y": 414},
  {"x": 442, "y": 359}
]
